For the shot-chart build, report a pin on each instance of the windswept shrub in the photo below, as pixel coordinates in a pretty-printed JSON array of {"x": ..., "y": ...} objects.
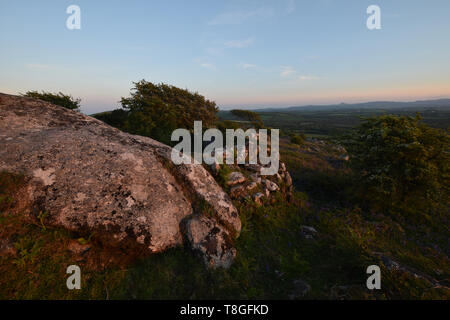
[
  {"x": 155, "y": 110},
  {"x": 60, "y": 99}
]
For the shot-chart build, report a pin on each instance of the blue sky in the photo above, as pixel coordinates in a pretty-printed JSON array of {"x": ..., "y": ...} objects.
[{"x": 238, "y": 53}]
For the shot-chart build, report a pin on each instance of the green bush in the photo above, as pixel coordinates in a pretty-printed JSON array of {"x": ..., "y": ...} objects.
[
  {"x": 116, "y": 118},
  {"x": 298, "y": 139},
  {"x": 59, "y": 99},
  {"x": 155, "y": 110},
  {"x": 250, "y": 116},
  {"x": 401, "y": 162}
]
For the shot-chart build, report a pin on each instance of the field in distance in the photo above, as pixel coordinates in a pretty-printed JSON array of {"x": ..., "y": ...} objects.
[{"x": 325, "y": 121}]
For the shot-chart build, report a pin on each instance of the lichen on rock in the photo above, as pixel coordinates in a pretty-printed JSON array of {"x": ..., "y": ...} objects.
[{"x": 92, "y": 178}]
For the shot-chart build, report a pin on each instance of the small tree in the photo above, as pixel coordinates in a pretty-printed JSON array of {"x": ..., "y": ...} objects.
[
  {"x": 59, "y": 99},
  {"x": 401, "y": 162},
  {"x": 298, "y": 139},
  {"x": 116, "y": 118},
  {"x": 156, "y": 110},
  {"x": 252, "y": 117}
]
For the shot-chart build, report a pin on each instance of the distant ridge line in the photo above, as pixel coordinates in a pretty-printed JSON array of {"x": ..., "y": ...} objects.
[{"x": 436, "y": 103}]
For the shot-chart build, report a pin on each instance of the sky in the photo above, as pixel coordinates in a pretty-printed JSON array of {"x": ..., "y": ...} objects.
[{"x": 242, "y": 54}]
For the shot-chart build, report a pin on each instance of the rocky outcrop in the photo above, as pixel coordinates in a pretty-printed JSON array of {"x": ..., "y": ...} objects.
[
  {"x": 235, "y": 178},
  {"x": 123, "y": 189},
  {"x": 246, "y": 183}
]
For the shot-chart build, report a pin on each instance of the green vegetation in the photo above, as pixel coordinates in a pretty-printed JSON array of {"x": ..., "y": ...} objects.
[
  {"x": 272, "y": 255},
  {"x": 116, "y": 118},
  {"x": 401, "y": 164},
  {"x": 60, "y": 99},
  {"x": 323, "y": 124},
  {"x": 250, "y": 116},
  {"x": 297, "y": 138},
  {"x": 359, "y": 233},
  {"x": 156, "y": 110}
]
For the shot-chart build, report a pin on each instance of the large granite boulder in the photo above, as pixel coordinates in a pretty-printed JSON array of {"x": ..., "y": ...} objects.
[{"x": 94, "y": 179}]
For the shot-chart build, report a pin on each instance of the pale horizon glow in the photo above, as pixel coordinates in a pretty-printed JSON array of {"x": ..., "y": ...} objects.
[{"x": 246, "y": 54}]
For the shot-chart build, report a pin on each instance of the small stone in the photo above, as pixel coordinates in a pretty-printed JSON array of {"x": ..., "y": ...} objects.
[
  {"x": 308, "y": 229},
  {"x": 235, "y": 178},
  {"x": 252, "y": 185},
  {"x": 78, "y": 248},
  {"x": 271, "y": 186},
  {"x": 255, "y": 177},
  {"x": 258, "y": 197},
  {"x": 288, "y": 179},
  {"x": 237, "y": 191},
  {"x": 308, "y": 232}
]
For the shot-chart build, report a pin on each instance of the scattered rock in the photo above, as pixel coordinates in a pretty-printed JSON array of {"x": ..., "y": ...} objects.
[
  {"x": 251, "y": 186},
  {"x": 288, "y": 179},
  {"x": 309, "y": 229},
  {"x": 257, "y": 198},
  {"x": 301, "y": 289},
  {"x": 212, "y": 241},
  {"x": 308, "y": 232},
  {"x": 392, "y": 265},
  {"x": 271, "y": 186},
  {"x": 235, "y": 178},
  {"x": 237, "y": 191},
  {"x": 256, "y": 178}
]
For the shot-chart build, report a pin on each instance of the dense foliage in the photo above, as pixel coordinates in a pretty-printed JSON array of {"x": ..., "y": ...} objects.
[
  {"x": 60, "y": 99},
  {"x": 250, "y": 116},
  {"x": 155, "y": 110},
  {"x": 297, "y": 138},
  {"x": 401, "y": 162},
  {"x": 116, "y": 118}
]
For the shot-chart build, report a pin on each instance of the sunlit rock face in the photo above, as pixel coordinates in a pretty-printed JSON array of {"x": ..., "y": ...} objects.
[{"x": 123, "y": 189}]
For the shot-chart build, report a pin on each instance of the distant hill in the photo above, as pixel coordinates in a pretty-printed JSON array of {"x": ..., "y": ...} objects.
[
  {"x": 440, "y": 103},
  {"x": 327, "y": 120}
]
